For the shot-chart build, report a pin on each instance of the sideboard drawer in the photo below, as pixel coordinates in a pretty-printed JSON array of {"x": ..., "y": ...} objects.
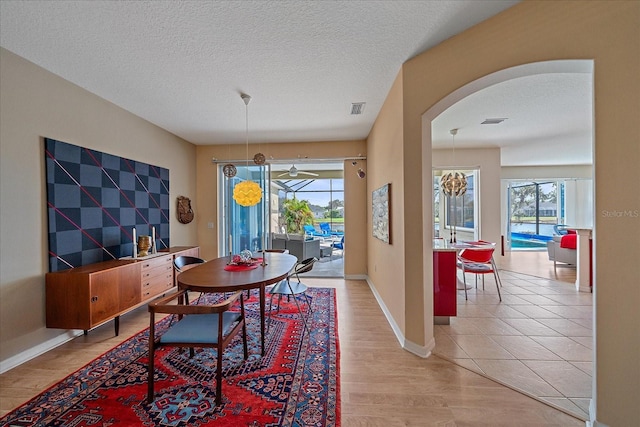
[
  {"x": 165, "y": 261},
  {"x": 156, "y": 284}
]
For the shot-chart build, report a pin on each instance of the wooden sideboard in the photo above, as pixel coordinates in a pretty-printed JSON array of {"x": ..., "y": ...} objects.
[{"x": 88, "y": 296}]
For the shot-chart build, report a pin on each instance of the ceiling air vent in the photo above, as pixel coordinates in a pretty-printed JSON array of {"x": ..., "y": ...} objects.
[
  {"x": 357, "y": 108},
  {"x": 493, "y": 121}
]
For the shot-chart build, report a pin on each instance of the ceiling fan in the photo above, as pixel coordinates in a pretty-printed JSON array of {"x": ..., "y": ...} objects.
[{"x": 293, "y": 172}]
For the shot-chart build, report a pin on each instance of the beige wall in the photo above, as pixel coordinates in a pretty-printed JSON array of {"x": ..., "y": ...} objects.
[
  {"x": 355, "y": 254},
  {"x": 532, "y": 31},
  {"x": 547, "y": 172},
  {"x": 35, "y": 104},
  {"x": 386, "y": 262}
]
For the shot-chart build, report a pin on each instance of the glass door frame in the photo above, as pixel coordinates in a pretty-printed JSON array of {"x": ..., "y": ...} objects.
[{"x": 243, "y": 227}]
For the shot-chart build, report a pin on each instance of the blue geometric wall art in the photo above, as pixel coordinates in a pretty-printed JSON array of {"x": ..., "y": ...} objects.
[{"x": 94, "y": 200}]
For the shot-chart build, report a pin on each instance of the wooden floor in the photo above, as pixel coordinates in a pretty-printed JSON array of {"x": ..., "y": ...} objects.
[{"x": 381, "y": 384}]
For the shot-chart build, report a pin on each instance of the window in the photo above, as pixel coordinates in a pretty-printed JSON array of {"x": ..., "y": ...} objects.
[
  {"x": 533, "y": 212},
  {"x": 325, "y": 198},
  {"x": 534, "y": 207},
  {"x": 462, "y": 208}
]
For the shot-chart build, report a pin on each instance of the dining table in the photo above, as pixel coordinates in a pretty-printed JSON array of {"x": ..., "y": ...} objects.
[{"x": 221, "y": 275}]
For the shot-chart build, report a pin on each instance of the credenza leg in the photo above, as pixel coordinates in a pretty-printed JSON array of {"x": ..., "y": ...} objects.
[{"x": 116, "y": 324}]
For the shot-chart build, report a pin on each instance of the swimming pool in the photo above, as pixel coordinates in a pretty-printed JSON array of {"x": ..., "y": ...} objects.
[{"x": 529, "y": 241}]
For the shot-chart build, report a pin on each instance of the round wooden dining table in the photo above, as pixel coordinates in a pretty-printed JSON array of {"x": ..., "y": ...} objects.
[{"x": 216, "y": 276}]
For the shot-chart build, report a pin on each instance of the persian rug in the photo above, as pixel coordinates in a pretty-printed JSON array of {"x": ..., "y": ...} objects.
[{"x": 296, "y": 383}]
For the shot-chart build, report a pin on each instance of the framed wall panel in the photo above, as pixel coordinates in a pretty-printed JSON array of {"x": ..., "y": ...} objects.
[
  {"x": 381, "y": 213},
  {"x": 95, "y": 200}
]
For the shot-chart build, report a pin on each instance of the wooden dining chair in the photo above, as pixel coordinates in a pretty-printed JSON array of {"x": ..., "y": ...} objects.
[
  {"x": 208, "y": 326},
  {"x": 479, "y": 260},
  {"x": 182, "y": 261}
]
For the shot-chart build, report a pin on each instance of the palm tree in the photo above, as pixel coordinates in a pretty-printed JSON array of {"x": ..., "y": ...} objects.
[{"x": 297, "y": 214}]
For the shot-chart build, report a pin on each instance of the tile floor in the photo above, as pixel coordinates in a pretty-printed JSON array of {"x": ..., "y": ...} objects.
[
  {"x": 538, "y": 340},
  {"x": 330, "y": 266}
]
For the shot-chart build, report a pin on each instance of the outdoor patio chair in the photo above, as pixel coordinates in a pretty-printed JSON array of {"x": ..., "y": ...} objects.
[
  {"x": 325, "y": 227},
  {"x": 310, "y": 230},
  {"x": 339, "y": 245}
]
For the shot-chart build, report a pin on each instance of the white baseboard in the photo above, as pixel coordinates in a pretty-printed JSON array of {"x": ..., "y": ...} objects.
[
  {"x": 418, "y": 350},
  {"x": 357, "y": 277},
  {"x": 592, "y": 422},
  {"x": 33, "y": 352}
]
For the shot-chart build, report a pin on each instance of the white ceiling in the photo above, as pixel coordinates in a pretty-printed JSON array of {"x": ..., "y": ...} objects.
[{"x": 183, "y": 64}]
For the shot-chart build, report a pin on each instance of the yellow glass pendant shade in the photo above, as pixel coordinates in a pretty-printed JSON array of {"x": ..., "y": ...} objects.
[{"x": 247, "y": 193}]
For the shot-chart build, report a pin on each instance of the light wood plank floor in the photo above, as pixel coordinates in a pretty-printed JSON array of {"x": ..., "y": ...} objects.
[{"x": 381, "y": 384}]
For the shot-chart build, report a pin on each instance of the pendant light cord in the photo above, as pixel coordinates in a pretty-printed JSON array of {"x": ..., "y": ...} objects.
[{"x": 246, "y": 99}]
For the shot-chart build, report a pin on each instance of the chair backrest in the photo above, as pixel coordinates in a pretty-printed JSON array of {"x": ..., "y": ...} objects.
[
  {"x": 482, "y": 255},
  {"x": 182, "y": 261},
  {"x": 309, "y": 229},
  {"x": 304, "y": 266},
  {"x": 325, "y": 227}
]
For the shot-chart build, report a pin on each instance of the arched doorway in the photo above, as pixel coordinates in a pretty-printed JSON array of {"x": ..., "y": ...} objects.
[{"x": 495, "y": 221}]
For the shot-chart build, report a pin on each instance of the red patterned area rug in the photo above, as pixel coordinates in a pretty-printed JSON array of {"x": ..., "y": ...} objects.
[{"x": 296, "y": 383}]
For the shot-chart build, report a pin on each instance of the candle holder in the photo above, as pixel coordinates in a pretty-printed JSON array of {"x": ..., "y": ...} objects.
[
  {"x": 144, "y": 243},
  {"x": 134, "y": 252},
  {"x": 154, "y": 249}
]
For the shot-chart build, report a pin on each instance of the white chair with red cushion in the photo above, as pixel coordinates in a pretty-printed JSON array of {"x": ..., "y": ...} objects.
[{"x": 479, "y": 260}]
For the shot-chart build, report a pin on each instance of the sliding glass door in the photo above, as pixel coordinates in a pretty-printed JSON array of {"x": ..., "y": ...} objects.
[
  {"x": 243, "y": 227},
  {"x": 534, "y": 209}
]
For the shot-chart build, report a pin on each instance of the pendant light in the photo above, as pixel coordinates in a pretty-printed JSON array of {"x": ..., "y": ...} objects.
[
  {"x": 247, "y": 192},
  {"x": 454, "y": 184}
]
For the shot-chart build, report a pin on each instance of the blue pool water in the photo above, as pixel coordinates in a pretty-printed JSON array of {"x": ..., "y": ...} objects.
[{"x": 529, "y": 241}]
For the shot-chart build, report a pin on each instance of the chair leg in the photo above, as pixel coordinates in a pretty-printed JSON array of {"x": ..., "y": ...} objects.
[
  {"x": 150, "y": 373},
  {"x": 464, "y": 281},
  {"x": 271, "y": 308},
  {"x": 498, "y": 283},
  {"x": 269, "y": 313},
  {"x": 306, "y": 297},
  {"x": 297, "y": 305},
  {"x": 244, "y": 340},
  {"x": 150, "y": 367},
  {"x": 495, "y": 269},
  {"x": 219, "y": 378}
]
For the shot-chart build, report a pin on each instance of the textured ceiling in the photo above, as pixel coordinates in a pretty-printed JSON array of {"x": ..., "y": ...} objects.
[{"x": 183, "y": 64}]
